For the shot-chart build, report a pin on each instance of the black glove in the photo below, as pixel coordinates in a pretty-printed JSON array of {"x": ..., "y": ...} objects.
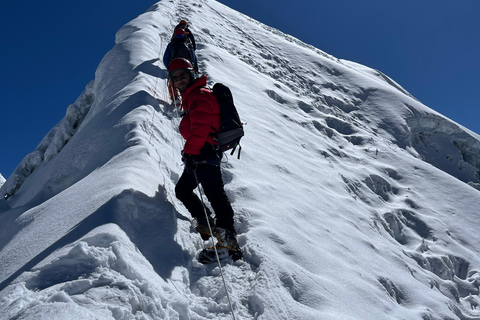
[{"x": 189, "y": 162}]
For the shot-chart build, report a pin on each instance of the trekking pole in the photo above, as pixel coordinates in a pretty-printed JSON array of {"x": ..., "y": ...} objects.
[{"x": 214, "y": 247}]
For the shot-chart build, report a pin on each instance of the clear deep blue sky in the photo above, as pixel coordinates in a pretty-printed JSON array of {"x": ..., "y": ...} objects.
[{"x": 50, "y": 49}]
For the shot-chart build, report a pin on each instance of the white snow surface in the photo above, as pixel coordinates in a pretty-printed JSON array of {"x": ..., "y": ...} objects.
[{"x": 353, "y": 200}]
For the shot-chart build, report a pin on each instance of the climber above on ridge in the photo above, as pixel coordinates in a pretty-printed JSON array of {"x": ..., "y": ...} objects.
[
  {"x": 182, "y": 45},
  {"x": 184, "y": 25}
]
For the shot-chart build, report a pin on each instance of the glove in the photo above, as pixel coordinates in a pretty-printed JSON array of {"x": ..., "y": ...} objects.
[{"x": 189, "y": 162}]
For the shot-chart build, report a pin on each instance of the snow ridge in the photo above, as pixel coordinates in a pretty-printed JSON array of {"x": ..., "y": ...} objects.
[
  {"x": 353, "y": 200},
  {"x": 52, "y": 144}
]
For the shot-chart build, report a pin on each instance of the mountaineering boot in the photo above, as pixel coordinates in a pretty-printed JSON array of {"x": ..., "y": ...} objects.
[
  {"x": 227, "y": 240},
  {"x": 227, "y": 246},
  {"x": 201, "y": 226}
]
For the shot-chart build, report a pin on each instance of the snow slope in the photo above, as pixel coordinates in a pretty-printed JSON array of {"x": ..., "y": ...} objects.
[{"x": 353, "y": 200}]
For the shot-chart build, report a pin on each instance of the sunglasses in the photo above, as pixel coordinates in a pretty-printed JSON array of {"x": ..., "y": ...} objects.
[{"x": 181, "y": 76}]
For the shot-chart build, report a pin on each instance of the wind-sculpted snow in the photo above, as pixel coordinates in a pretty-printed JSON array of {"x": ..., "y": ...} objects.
[
  {"x": 353, "y": 200},
  {"x": 446, "y": 145},
  {"x": 52, "y": 144}
]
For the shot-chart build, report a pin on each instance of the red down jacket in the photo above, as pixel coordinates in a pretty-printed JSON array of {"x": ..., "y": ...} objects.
[{"x": 202, "y": 116}]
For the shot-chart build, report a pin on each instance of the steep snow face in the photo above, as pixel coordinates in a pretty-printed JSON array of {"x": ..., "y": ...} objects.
[{"x": 353, "y": 200}]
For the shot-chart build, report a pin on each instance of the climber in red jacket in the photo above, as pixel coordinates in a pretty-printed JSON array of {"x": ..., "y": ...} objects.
[{"x": 201, "y": 156}]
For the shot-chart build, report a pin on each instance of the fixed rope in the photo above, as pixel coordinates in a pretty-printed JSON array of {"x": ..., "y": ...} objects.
[
  {"x": 154, "y": 91},
  {"x": 214, "y": 247}
]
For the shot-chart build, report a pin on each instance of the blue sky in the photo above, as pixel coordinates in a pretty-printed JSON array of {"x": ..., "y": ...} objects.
[{"x": 50, "y": 51}]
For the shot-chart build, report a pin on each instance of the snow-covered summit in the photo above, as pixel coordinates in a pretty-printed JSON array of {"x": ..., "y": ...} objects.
[{"x": 353, "y": 200}]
